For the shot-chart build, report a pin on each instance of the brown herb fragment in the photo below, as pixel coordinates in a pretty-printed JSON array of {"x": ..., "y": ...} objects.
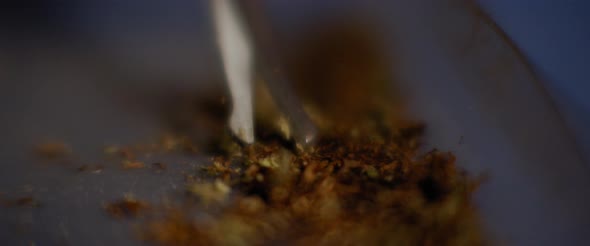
[
  {"x": 128, "y": 164},
  {"x": 26, "y": 201},
  {"x": 96, "y": 169},
  {"x": 159, "y": 166},
  {"x": 127, "y": 207},
  {"x": 53, "y": 150},
  {"x": 210, "y": 193}
]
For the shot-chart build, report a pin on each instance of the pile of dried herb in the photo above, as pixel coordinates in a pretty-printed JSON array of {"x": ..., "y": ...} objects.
[
  {"x": 346, "y": 190},
  {"x": 364, "y": 182}
]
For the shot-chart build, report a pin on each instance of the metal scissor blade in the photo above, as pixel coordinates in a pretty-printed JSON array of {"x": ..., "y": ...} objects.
[
  {"x": 272, "y": 70},
  {"x": 235, "y": 46}
]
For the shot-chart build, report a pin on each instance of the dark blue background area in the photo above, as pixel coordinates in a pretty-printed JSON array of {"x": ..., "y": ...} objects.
[{"x": 555, "y": 37}]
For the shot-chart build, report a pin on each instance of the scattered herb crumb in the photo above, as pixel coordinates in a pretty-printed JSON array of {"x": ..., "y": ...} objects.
[
  {"x": 159, "y": 166},
  {"x": 210, "y": 193},
  {"x": 27, "y": 201},
  {"x": 96, "y": 169},
  {"x": 53, "y": 150},
  {"x": 128, "y": 164},
  {"x": 127, "y": 207}
]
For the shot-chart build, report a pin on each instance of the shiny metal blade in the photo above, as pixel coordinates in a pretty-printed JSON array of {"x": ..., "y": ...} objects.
[{"x": 236, "y": 54}]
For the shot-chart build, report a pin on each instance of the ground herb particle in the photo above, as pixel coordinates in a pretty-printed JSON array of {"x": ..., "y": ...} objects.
[
  {"x": 159, "y": 166},
  {"x": 127, "y": 164},
  {"x": 126, "y": 208},
  {"x": 53, "y": 150},
  {"x": 23, "y": 202}
]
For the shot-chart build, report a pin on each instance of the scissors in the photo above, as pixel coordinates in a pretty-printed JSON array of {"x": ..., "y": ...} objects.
[{"x": 246, "y": 45}]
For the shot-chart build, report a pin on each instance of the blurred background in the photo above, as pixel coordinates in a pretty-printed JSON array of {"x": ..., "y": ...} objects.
[
  {"x": 551, "y": 34},
  {"x": 91, "y": 73}
]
